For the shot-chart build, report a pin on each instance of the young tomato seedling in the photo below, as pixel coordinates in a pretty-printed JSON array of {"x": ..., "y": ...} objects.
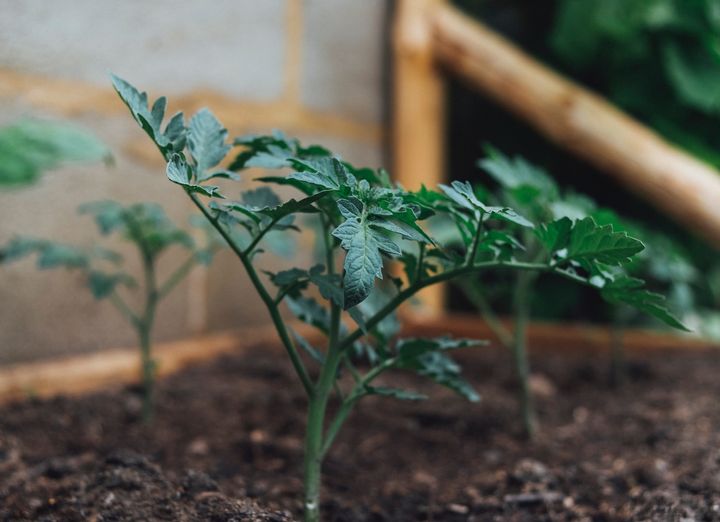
[
  {"x": 29, "y": 147},
  {"x": 535, "y": 194},
  {"x": 147, "y": 227},
  {"x": 369, "y": 219}
]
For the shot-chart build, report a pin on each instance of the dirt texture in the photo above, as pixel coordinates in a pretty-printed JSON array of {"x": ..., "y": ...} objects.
[{"x": 228, "y": 436}]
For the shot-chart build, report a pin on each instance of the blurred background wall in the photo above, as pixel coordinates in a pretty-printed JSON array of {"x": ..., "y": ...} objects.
[{"x": 313, "y": 68}]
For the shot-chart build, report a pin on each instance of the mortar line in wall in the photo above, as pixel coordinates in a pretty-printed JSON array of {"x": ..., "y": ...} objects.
[
  {"x": 293, "y": 52},
  {"x": 73, "y": 98}
]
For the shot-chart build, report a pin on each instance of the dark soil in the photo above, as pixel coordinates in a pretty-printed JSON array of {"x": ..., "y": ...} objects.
[{"x": 229, "y": 434}]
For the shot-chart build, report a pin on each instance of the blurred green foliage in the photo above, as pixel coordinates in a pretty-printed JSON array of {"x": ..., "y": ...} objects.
[
  {"x": 658, "y": 59},
  {"x": 29, "y": 147}
]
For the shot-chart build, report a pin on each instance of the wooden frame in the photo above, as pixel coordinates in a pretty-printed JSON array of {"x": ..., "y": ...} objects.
[
  {"x": 86, "y": 373},
  {"x": 430, "y": 33}
]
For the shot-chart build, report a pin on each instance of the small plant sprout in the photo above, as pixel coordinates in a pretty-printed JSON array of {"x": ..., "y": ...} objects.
[
  {"x": 569, "y": 226},
  {"x": 365, "y": 220},
  {"x": 29, "y": 147},
  {"x": 147, "y": 227},
  {"x": 665, "y": 265}
]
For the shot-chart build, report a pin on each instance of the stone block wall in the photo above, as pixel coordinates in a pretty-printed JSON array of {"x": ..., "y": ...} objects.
[{"x": 313, "y": 68}]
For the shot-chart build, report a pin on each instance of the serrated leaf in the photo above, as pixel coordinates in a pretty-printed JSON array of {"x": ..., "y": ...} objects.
[
  {"x": 363, "y": 244},
  {"x": 591, "y": 243},
  {"x": 410, "y": 349},
  {"x": 555, "y": 235},
  {"x": 426, "y": 357},
  {"x": 179, "y": 172},
  {"x": 328, "y": 173},
  {"x": 515, "y": 173},
  {"x": 309, "y": 311},
  {"x": 174, "y": 138},
  {"x": 631, "y": 291},
  {"x": 206, "y": 142},
  {"x": 462, "y": 194},
  {"x": 395, "y": 393}
]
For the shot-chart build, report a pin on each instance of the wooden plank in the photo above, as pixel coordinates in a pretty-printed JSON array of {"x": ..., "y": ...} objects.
[
  {"x": 86, "y": 373},
  {"x": 557, "y": 337},
  {"x": 418, "y": 125},
  {"x": 580, "y": 121},
  {"x": 111, "y": 368}
]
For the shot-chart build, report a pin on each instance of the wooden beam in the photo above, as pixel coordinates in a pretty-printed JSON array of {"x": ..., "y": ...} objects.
[
  {"x": 580, "y": 121},
  {"x": 418, "y": 109},
  {"x": 111, "y": 368},
  {"x": 560, "y": 337},
  {"x": 85, "y": 373}
]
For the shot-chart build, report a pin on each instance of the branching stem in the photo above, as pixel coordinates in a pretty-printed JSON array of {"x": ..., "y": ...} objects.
[{"x": 264, "y": 295}]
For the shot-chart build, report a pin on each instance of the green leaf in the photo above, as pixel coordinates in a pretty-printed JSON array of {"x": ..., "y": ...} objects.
[
  {"x": 29, "y": 147},
  {"x": 395, "y": 393},
  {"x": 461, "y": 192},
  {"x": 145, "y": 224},
  {"x": 555, "y": 235},
  {"x": 515, "y": 173},
  {"x": 206, "y": 143},
  {"x": 590, "y": 243},
  {"x": 174, "y": 137},
  {"x": 363, "y": 244},
  {"x": 327, "y": 173},
  {"x": 695, "y": 75},
  {"x": 631, "y": 291},
  {"x": 102, "y": 284},
  {"x": 179, "y": 172},
  {"x": 309, "y": 311},
  {"x": 49, "y": 254},
  {"x": 426, "y": 357}
]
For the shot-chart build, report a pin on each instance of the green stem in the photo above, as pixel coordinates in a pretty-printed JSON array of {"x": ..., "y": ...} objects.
[
  {"x": 176, "y": 277},
  {"x": 421, "y": 259},
  {"x": 472, "y": 290},
  {"x": 472, "y": 251},
  {"x": 521, "y": 302},
  {"x": 148, "y": 373},
  {"x": 124, "y": 309},
  {"x": 264, "y": 295},
  {"x": 145, "y": 327},
  {"x": 410, "y": 291},
  {"x": 359, "y": 391},
  {"x": 617, "y": 362},
  {"x": 316, "y": 420}
]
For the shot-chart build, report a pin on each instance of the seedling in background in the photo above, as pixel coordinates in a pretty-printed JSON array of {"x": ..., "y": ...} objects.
[
  {"x": 147, "y": 227},
  {"x": 665, "y": 265},
  {"x": 29, "y": 147},
  {"x": 567, "y": 230},
  {"x": 363, "y": 215}
]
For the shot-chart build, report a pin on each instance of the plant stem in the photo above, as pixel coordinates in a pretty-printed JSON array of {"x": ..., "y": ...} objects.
[
  {"x": 411, "y": 290},
  {"x": 148, "y": 373},
  {"x": 472, "y": 290},
  {"x": 472, "y": 251},
  {"x": 617, "y": 361},
  {"x": 124, "y": 309},
  {"x": 269, "y": 302},
  {"x": 177, "y": 276},
  {"x": 316, "y": 420},
  {"x": 521, "y": 303},
  {"x": 145, "y": 327}
]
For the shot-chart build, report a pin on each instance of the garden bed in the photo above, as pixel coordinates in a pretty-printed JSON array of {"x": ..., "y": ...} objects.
[{"x": 228, "y": 433}]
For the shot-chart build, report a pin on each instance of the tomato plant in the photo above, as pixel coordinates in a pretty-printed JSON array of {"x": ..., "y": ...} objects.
[
  {"x": 152, "y": 233},
  {"x": 365, "y": 220}
]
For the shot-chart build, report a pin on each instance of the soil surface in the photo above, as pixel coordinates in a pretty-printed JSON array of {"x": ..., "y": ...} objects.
[{"x": 228, "y": 436}]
